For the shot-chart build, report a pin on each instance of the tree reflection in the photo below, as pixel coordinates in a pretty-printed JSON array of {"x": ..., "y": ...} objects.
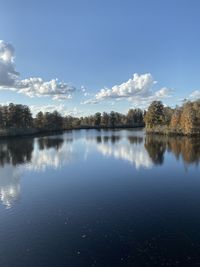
[
  {"x": 47, "y": 143},
  {"x": 112, "y": 138},
  {"x": 185, "y": 147},
  {"x": 156, "y": 147},
  {"x": 16, "y": 151},
  {"x": 55, "y": 152},
  {"x": 135, "y": 139},
  {"x": 105, "y": 138},
  {"x": 99, "y": 139}
]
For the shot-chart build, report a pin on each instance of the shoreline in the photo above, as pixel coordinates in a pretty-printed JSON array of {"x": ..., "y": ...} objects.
[
  {"x": 170, "y": 132},
  {"x": 14, "y": 132}
]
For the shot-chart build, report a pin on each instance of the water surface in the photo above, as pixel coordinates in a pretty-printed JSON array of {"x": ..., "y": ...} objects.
[{"x": 100, "y": 198}]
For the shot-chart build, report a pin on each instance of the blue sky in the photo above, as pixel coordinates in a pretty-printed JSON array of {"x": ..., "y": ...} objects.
[{"x": 106, "y": 55}]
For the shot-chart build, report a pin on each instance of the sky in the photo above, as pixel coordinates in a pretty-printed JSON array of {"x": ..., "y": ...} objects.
[{"x": 84, "y": 56}]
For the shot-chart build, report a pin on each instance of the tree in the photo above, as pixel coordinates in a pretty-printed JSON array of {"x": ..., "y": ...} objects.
[
  {"x": 155, "y": 114},
  {"x": 187, "y": 120},
  {"x": 168, "y": 112},
  {"x": 175, "y": 120},
  {"x": 134, "y": 116},
  {"x": 97, "y": 119},
  {"x": 105, "y": 119},
  {"x": 39, "y": 120},
  {"x": 112, "y": 119}
]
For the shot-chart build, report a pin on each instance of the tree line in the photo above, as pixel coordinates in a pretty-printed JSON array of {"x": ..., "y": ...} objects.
[
  {"x": 19, "y": 116},
  {"x": 183, "y": 120},
  {"x": 15, "y": 116}
]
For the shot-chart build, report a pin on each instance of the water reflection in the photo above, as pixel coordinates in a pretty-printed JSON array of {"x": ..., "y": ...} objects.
[
  {"x": 47, "y": 143},
  {"x": 55, "y": 150},
  {"x": 51, "y": 152},
  {"x": 186, "y": 148},
  {"x": 127, "y": 146},
  {"x": 9, "y": 185},
  {"x": 136, "y": 155},
  {"x": 13, "y": 153},
  {"x": 156, "y": 147},
  {"x": 18, "y": 156},
  {"x": 16, "y": 151},
  {"x": 104, "y": 138},
  {"x": 135, "y": 139}
]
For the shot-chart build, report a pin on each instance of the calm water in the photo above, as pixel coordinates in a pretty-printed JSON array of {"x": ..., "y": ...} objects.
[{"x": 100, "y": 198}]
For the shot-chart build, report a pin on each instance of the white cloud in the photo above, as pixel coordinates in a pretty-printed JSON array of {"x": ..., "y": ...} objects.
[
  {"x": 62, "y": 97},
  {"x": 37, "y": 87},
  {"x": 138, "y": 89},
  {"x": 143, "y": 102},
  {"x": 9, "y": 79},
  {"x": 90, "y": 101},
  {"x": 138, "y": 85},
  {"x": 61, "y": 108},
  {"x": 195, "y": 95},
  {"x": 162, "y": 93},
  {"x": 8, "y": 74}
]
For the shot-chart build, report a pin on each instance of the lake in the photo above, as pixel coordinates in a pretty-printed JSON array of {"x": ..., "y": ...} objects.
[{"x": 100, "y": 198}]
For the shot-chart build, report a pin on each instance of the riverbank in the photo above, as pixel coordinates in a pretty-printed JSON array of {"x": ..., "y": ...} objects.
[
  {"x": 157, "y": 130},
  {"x": 168, "y": 131},
  {"x": 13, "y": 132},
  {"x": 22, "y": 132}
]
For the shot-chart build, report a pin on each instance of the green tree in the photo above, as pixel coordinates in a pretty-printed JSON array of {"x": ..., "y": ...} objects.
[
  {"x": 97, "y": 119},
  {"x": 155, "y": 114}
]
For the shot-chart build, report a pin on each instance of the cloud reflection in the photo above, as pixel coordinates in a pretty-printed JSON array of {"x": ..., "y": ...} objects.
[
  {"x": 18, "y": 156},
  {"x": 135, "y": 154},
  {"x": 51, "y": 157},
  {"x": 9, "y": 185}
]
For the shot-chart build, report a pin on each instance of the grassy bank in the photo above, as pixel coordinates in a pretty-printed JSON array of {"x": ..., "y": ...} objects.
[{"x": 169, "y": 131}]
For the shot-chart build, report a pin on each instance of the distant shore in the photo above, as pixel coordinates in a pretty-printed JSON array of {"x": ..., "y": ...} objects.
[{"x": 17, "y": 120}]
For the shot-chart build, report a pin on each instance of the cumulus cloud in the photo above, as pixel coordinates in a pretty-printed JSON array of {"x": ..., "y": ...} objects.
[
  {"x": 8, "y": 74},
  {"x": 138, "y": 85},
  {"x": 9, "y": 79},
  {"x": 195, "y": 95},
  {"x": 137, "y": 89},
  {"x": 37, "y": 87},
  {"x": 144, "y": 101}
]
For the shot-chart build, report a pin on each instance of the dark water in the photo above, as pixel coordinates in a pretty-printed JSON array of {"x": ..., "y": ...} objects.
[{"x": 100, "y": 198}]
